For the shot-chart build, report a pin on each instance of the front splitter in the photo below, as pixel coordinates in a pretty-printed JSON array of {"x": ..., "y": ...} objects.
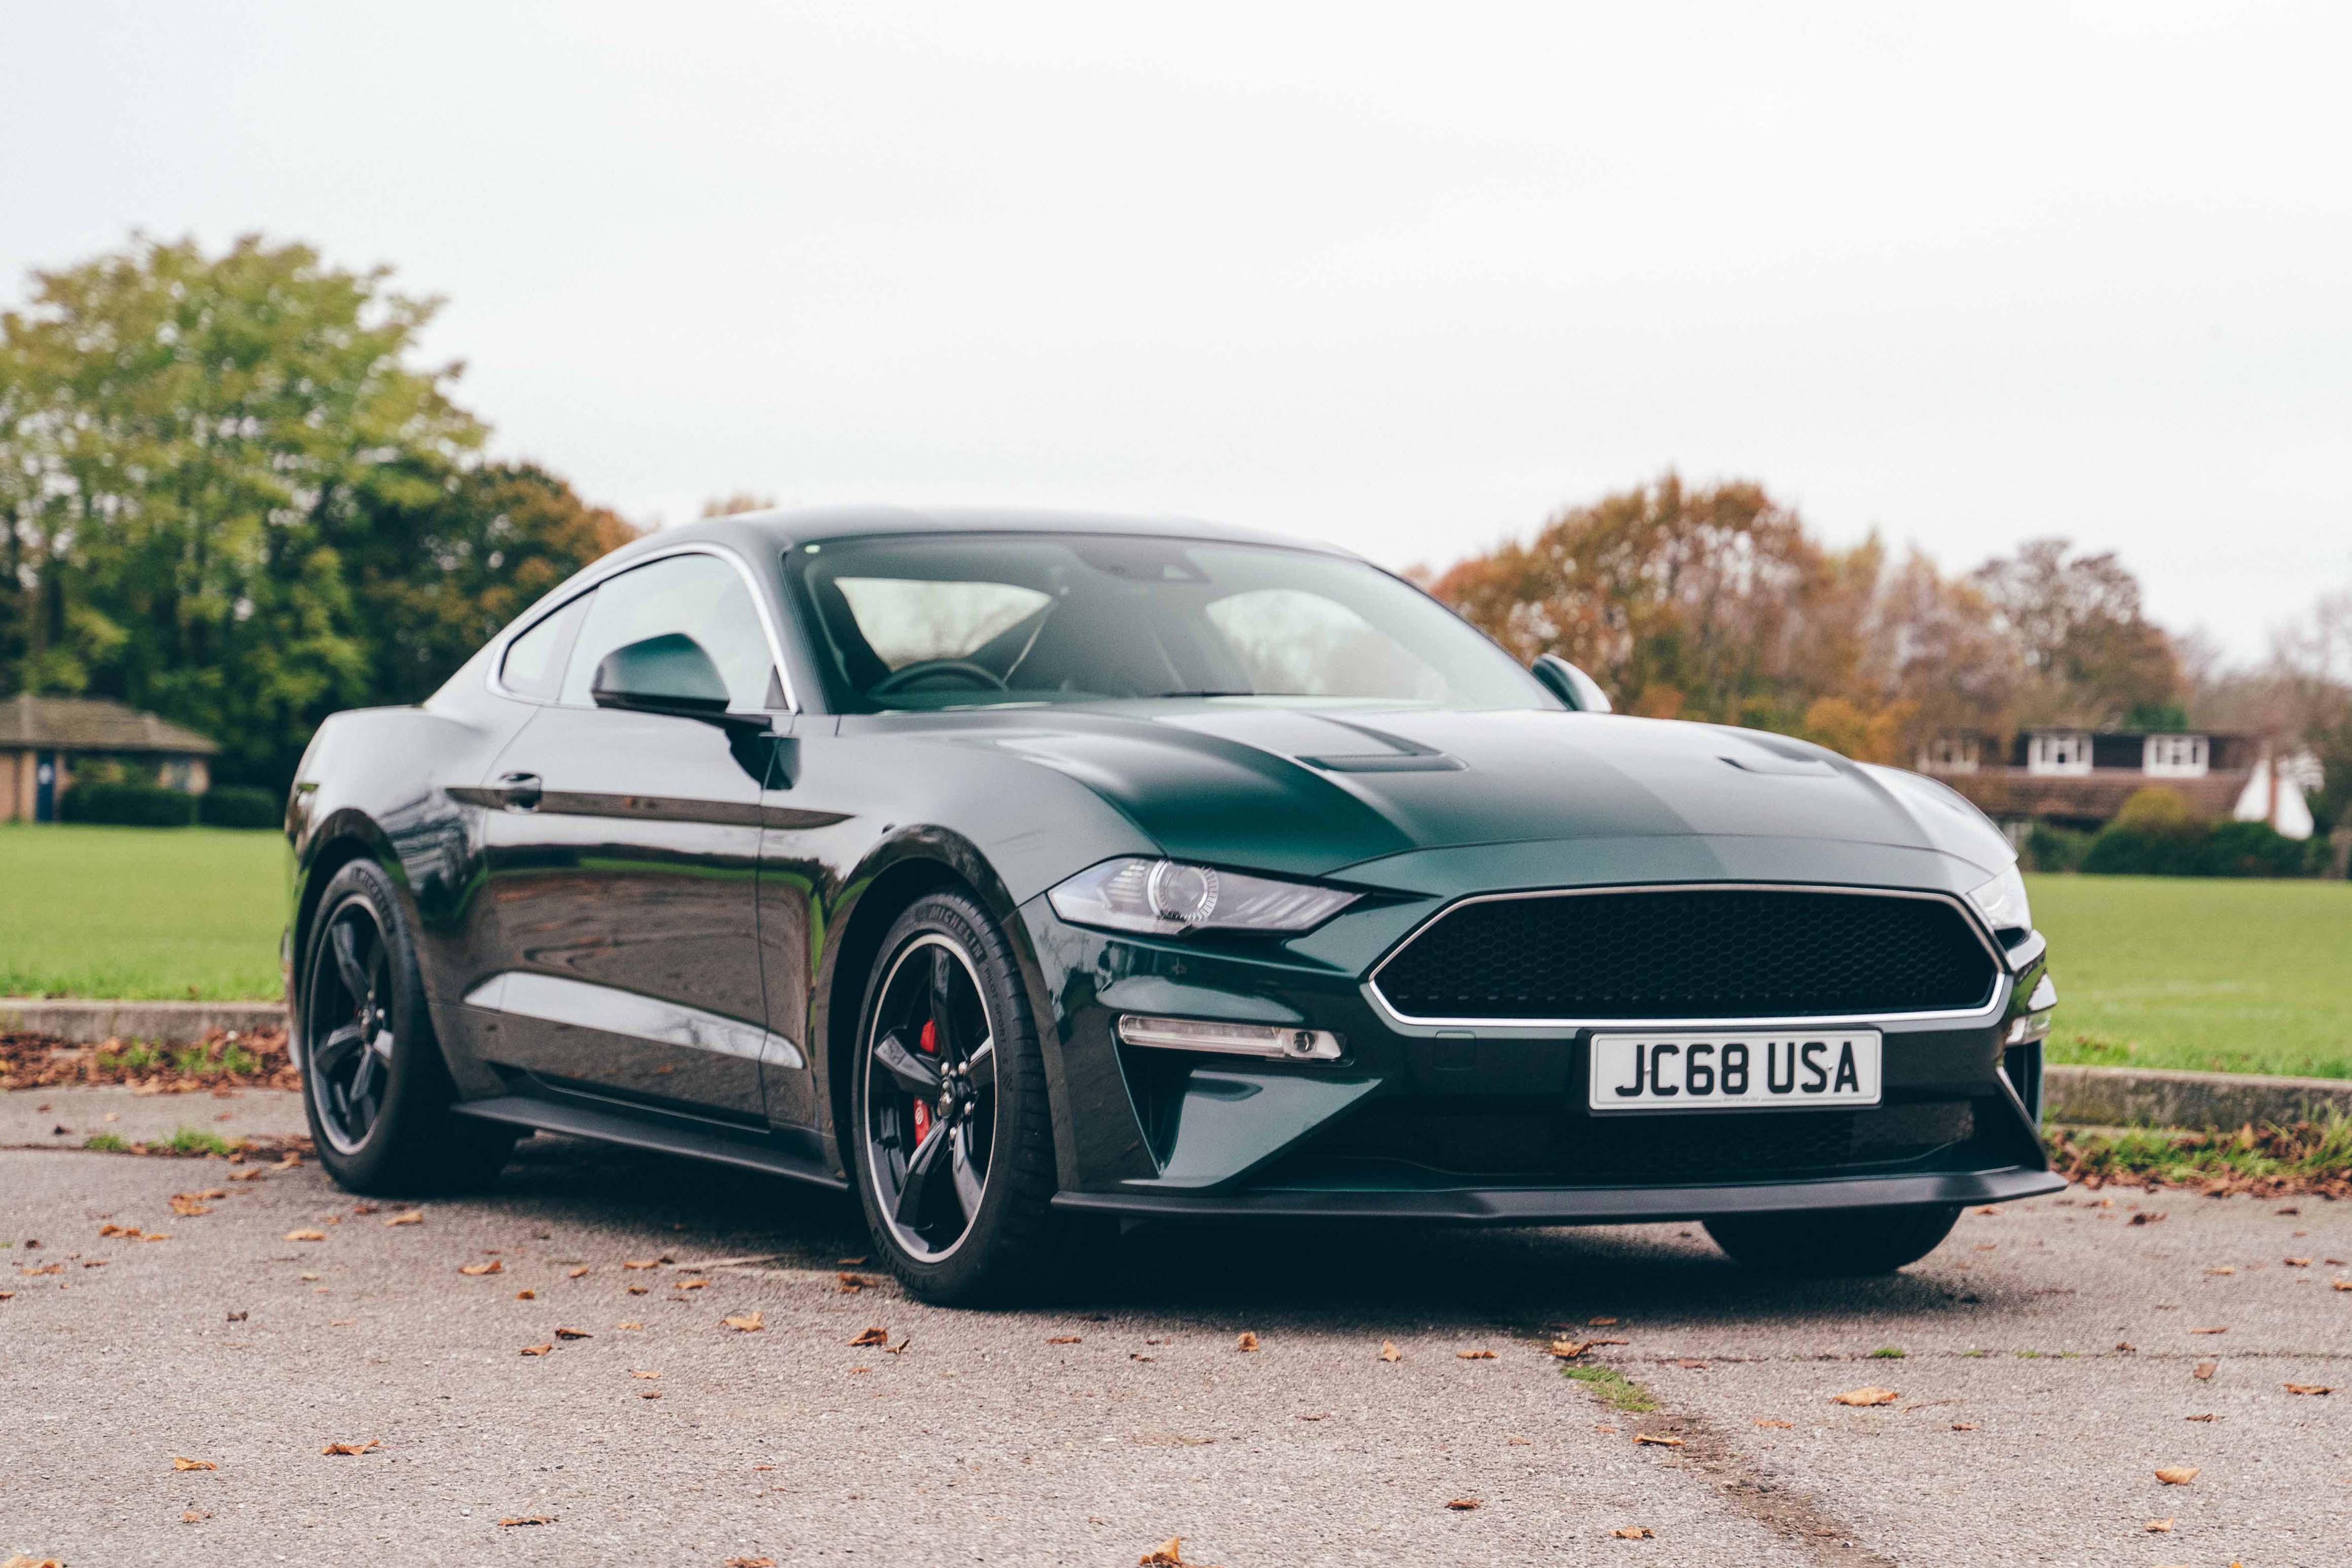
[{"x": 1579, "y": 1206}]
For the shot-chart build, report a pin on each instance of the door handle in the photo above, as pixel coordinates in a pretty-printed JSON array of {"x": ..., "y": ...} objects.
[{"x": 520, "y": 791}]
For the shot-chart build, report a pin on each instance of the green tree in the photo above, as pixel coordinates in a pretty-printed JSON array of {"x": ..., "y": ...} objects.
[{"x": 184, "y": 439}]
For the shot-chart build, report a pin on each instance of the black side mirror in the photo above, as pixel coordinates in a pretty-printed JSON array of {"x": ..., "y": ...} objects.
[
  {"x": 670, "y": 675},
  {"x": 1577, "y": 692}
]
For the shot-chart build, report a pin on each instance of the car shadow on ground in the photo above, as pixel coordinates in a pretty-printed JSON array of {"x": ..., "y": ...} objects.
[{"x": 1331, "y": 1275}]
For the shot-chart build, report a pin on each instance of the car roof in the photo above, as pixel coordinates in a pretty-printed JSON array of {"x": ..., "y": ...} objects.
[{"x": 793, "y": 524}]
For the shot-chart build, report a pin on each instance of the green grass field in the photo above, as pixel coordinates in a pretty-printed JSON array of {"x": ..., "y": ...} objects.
[
  {"x": 2240, "y": 976},
  {"x": 2213, "y": 973},
  {"x": 143, "y": 913}
]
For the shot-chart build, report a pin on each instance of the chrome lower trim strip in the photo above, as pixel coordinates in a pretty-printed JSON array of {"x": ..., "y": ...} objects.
[{"x": 581, "y": 1004}]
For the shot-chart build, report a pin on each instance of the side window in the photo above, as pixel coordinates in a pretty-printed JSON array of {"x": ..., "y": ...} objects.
[
  {"x": 533, "y": 665},
  {"x": 699, "y": 595}
]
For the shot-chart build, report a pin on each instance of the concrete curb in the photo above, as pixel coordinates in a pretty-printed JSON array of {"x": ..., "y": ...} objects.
[
  {"x": 2082, "y": 1096},
  {"x": 164, "y": 1023},
  {"x": 2146, "y": 1097}
]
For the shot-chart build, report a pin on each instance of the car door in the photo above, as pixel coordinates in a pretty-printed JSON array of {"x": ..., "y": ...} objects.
[{"x": 622, "y": 859}]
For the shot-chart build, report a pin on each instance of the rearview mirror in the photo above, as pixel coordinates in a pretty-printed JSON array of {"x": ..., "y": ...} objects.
[{"x": 1578, "y": 692}]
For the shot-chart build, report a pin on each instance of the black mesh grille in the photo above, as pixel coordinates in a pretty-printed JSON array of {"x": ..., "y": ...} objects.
[
  {"x": 1690, "y": 953},
  {"x": 1514, "y": 1143}
]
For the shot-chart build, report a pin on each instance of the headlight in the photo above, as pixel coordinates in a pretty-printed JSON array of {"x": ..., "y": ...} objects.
[
  {"x": 1168, "y": 896},
  {"x": 2002, "y": 900}
]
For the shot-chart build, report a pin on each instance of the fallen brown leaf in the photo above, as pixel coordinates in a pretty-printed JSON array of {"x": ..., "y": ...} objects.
[
  {"x": 1474, "y": 1355},
  {"x": 906, "y": 1340},
  {"x": 750, "y": 1563},
  {"x": 195, "y": 1516},
  {"x": 1768, "y": 1421},
  {"x": 1658, "y": 1439},
  {"x": 1600, "y": 1322},
  {"x": 1169, "y": 1553},
  {"x": 691, "y": 1285},
  {"x": 2341, "y": 1284},
  {"x": 186, "y": 1205},
  {"x": 494, "y": 1266},
  {"x": 579, "y": 1274},
  {"x": 2205, "y": 1371},
  {"x": 2224, "y": 1269},
  {"x": 746, "y": 1322},
  {"x": 306, "y": 1235},
  {"x": 648, "y": 1393},
  {"x": 1389, "y": 1352},
  {"x": 2200, "y": 1417},
  {"x": 2158, "y": 1526},
  {"x": 526, "y": 1295},
  {"x": 574, "y": 1333},
  {"x": 1569, "y": 1349},
  {"x": 642, "y": 1263},
  {"x": 636, "y": 1290},
  {"x": 1634, "y": 1532},
  {"x": 512, "y": 1521},
  {"x": 180, "y": 1464},
  {"x": 1868, "y": 1393},
  {"x": 2308, "y": 1387},
  {"x": 851, "y": 1283},
  {"x": 1247, "y": 1341},
  {"x": 2224, "y": 1329},
  {"x": 629, "y": 1323},
  {"x": 538, "y": 1349},
  {"x": 1964, "y": 1425},
  {"x": 874, "y": 1334},
  {"x": 350, "y": 1448},
  {"x": 2297, "y": 1262},
  {"x": 2177, "y": 1475},
  {"x": 409, "y": 1217},
  {"x": 634, "y": 1374},
  {"x": 1465, "y": 1504},
  {"x": 2145, "y": 1217},
  {"x": 1064, "y": 1339}
]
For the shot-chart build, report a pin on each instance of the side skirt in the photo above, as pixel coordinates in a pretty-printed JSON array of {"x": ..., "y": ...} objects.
[{"x": 745, "y": 1147}]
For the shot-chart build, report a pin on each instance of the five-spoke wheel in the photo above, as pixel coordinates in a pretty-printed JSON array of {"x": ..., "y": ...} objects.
[
  {"x": 931, "y": 1101},
  {"x": 348, "y": 1022}
]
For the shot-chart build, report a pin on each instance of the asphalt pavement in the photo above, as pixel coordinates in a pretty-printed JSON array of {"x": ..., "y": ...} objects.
[{"x": 2049, "y": 1367}]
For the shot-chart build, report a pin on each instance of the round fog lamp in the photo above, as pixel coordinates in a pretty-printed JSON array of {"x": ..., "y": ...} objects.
[{"x": 1184, "y": 894}]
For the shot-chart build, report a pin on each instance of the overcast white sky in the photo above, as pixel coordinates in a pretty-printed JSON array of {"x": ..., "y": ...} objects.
[{"x": 1406, "y": 281}]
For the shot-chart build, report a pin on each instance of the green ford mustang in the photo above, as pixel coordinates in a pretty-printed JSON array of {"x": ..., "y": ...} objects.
[{"x": 1019, "y": 874}]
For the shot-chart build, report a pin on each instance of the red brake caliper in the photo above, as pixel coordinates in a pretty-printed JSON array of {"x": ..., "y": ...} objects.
[{"x": 930, "y": 1041}]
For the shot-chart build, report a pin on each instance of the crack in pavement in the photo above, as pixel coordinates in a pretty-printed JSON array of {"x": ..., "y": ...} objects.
[{"x": 1798, "y": 1518}]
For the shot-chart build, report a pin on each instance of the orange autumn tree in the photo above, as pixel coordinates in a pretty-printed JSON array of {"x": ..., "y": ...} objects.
[{"x": 1715, "y": 603}]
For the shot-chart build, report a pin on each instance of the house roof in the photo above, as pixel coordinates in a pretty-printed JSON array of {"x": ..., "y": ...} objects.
[{"x": 92, "y": 724}]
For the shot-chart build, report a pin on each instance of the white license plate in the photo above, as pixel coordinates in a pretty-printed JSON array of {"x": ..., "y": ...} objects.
[{"x": 1726, "y": 1071}]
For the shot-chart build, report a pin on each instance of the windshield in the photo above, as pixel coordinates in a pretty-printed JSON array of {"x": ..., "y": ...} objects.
[{"x": 963, "y": 619}]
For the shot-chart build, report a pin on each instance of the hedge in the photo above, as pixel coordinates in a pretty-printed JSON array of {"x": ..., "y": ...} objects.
[
  {"x": 2224, "y": 849},
  {"x": 128, "y": 805},
  {"x": 240, "y": 806}
]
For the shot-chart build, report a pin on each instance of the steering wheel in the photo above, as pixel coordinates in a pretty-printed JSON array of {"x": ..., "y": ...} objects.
[{"x": 902, "y": 679}]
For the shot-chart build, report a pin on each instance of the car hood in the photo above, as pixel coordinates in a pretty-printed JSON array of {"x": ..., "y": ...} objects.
[{"x": 1312, "y": 791}]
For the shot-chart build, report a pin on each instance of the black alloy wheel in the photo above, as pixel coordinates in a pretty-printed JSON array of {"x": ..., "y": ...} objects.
[
  {"x": 930, "y": 1117},
  {"x": 347, "y": 1018},
  {"x": 950, "y": 1133},
  {"x": 375, "y": 1086}
]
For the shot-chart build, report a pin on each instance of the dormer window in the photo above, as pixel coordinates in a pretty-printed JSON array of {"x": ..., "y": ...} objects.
[
  {"x": 2177, "y": 757},
  {"x": 2058, "y": 751}
]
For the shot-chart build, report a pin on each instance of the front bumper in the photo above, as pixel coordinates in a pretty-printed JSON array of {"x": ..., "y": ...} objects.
[{"x": 1483, "y": 1124}]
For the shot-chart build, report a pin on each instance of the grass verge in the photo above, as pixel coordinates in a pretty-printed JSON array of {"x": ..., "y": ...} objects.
[
  {"x": 139, "y": 914},
  {"x": 2211, "y": 974}
]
